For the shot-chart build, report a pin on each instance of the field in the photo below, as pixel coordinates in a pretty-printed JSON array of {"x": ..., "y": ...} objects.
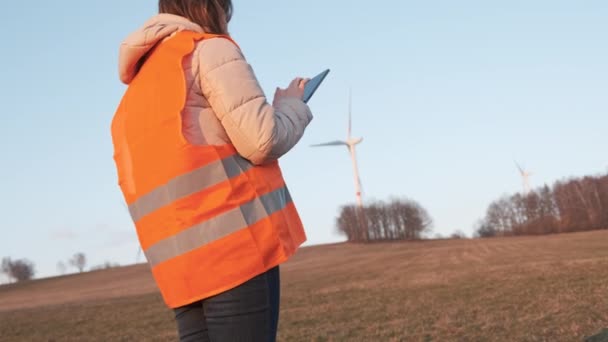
[{"x": 552, "y": 288}]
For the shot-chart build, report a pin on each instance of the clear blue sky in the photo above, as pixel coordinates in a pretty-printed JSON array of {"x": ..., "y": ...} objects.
[{"x": 446, "y": 94}]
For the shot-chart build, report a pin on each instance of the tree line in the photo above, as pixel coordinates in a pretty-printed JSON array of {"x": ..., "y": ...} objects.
[
  {"x": 23, "y": 269},
  {"x": 398, "y": 219},
  {"x": 572, "y": 205}
]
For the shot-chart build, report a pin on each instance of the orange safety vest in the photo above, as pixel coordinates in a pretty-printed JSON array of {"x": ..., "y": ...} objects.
[{"x": 207, "y": 219}]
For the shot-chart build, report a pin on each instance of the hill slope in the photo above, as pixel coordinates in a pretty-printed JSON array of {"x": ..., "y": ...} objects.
[{"x": 552, "y": 288}]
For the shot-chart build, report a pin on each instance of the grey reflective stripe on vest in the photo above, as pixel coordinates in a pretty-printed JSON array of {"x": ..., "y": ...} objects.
[
  {"x": 218, "y": 227},
  {"x": 188, "y": 184}
]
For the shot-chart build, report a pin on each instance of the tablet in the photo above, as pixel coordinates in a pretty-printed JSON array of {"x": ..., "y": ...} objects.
[{"x": 312, "y": 85}]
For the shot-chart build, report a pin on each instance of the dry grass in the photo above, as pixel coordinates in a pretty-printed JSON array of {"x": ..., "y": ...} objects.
[{"x": 551, "y": 288}]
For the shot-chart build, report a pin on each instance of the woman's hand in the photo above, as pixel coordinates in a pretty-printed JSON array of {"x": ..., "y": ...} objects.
[{"x": 295, "y": 89}]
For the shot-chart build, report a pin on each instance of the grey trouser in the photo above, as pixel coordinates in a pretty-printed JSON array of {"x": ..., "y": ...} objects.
[{"x": 247, "y": 313}]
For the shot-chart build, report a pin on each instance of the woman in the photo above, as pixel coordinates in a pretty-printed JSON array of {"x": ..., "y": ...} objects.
[{"x": 196, "y": 147}]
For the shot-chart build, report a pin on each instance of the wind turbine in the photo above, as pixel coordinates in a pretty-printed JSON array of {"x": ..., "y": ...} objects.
[
  {"x": 350, "y": 143},
  {"x": 525, "y": 176}
]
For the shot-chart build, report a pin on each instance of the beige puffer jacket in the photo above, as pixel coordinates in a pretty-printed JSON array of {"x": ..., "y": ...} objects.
[{"x": 225, "y": 104}]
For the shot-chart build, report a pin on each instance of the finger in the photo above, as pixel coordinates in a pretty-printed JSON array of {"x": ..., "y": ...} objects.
[
  {"x": 303, "y": 82},
  {"x": 296, "y": 82}
]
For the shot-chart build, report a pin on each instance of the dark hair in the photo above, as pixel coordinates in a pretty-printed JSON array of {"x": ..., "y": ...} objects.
[{"x": 211, "y": 15}]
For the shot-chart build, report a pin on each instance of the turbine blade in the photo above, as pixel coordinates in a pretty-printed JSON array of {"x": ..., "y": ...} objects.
[
  {"x": 521, "y": 170},
  {"x": 350, "y": 112},
  {"x": 331, "y": 143}
]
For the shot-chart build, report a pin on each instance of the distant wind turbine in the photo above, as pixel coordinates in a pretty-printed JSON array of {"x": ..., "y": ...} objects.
[
  {"x": 350, "y": 143},
  {"x": 525, "y": 177}
]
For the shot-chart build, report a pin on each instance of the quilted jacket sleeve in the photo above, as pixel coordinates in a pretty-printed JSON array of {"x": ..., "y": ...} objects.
[{"x": 259, "y": 131}]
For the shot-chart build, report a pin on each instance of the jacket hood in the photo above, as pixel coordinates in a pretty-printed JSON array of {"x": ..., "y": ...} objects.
[{"x": 135, "y": 47}]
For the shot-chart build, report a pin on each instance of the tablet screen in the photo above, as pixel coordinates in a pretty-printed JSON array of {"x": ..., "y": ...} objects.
[{"x": 312, "y": 85}]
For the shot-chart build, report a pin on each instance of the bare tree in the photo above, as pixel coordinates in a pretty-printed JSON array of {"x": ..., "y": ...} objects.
[
  {"x": 485, "y": 230},
  {"x": 19, "y": 270},
  {"x": 400, "y": 219},
  {"x": 22, "y": 270},
  {"x": 79, "y": 260}
]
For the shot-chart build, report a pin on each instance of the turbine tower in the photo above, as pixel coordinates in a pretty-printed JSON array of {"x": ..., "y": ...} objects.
[
  {"x": 525, "y": 176},
  {"x": 350, "y": 143}
]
